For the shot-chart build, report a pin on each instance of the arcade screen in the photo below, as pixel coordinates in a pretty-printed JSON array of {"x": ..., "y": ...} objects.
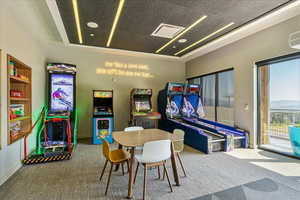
[
  {"x": 62, "y": 92},
  {"x": 141, "y": 106}
]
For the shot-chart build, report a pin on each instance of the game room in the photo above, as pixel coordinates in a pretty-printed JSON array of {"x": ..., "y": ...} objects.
[{"x": 150, "y": 99}]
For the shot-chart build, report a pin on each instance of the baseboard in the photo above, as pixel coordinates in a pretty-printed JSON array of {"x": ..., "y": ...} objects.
[{"x": 10, "y": 172}]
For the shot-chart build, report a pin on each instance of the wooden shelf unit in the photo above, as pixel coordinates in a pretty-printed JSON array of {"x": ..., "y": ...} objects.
[
  {"x": 18, "y": 81},
  {"x": 19, "y": 99}
]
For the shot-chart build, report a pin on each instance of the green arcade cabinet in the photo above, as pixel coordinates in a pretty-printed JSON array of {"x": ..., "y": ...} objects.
[{"x": 57, "y": 122}]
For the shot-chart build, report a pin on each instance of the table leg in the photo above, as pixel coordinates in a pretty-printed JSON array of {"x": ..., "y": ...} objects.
[
  {"x": 174, "y": 165},
  {"x": 118, "y": 165},
  {"x": 131, "y": 172}
]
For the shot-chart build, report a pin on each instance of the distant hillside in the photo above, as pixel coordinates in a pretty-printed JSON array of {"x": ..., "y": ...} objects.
[{"x": 285, "y": 104}]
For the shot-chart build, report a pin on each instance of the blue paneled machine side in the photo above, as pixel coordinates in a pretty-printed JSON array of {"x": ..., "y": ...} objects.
[{"x": 103, "y": 116}]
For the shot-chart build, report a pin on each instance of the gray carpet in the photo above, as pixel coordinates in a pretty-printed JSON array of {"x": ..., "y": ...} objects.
[
  {"x": 78, "y": 178},
  {"x": 266, "y": 189}
]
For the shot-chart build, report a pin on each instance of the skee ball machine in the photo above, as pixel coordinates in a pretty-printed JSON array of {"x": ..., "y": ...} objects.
[
  {"x": 193, "y": 114},
  {"x": 103, "y": 116},
  {"x": 171, "y": 106},
  {"x": 57, "y": 122},
  {"x": 141, "y": 109}
]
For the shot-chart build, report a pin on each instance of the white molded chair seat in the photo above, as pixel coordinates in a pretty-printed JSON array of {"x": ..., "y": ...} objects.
[
  {"x": 150, "y": 159},
  {"x": 156, "y": 151}
]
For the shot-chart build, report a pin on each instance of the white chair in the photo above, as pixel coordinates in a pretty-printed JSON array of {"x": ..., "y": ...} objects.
[
  {"x": 134, "y": 128},
  {"x": 154, "y": 154}
]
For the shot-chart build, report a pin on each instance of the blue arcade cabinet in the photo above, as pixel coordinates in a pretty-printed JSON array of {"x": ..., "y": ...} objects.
[{"x": 103, "y": 116}]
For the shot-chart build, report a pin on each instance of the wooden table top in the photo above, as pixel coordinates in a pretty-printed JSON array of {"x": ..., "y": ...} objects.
[{"x": 139, "y": 138}]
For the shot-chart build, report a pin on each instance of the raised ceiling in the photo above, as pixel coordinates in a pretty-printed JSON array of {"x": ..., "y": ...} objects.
[{"x": 139, "y": 18}]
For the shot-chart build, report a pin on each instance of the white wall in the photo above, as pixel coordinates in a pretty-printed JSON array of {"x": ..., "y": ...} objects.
[
  {"x": 242, "y": 55},
  {"x": 88, "y": 60},
  {"x": 16, "y": 40}
]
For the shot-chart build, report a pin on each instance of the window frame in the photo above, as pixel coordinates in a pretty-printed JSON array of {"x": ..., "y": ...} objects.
[{"x": 215, "y": 74}]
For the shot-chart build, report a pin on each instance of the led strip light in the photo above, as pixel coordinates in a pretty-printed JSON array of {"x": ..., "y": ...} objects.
[
  {"x": 182, "y": 33},
  {"x": 120, "y": 7},
  {"x": 205, "y": 38},
  {"x": 77, "y": 20}
]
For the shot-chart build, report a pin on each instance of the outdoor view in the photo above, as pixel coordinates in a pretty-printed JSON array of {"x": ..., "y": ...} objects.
[{"x": 284, "y": 102}]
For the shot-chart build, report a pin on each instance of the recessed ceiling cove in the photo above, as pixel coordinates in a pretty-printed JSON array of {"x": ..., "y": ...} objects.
[{"x": 129, "y": 24}]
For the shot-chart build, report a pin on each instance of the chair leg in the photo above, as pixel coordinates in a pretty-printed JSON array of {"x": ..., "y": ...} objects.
[
  {"x": 167, "y": 174},
  {"x": 145, "y": 181},
  {"x": 122, "y": 169},
  {"x": 164, "y": 173},
  {"x": 108, "y": 180},
  {"x": 158, "y": 172},
  {"x": 103, "y": 170},
  {"x": 136, "y": 171},
  {"x": 181, "y": 163},
  {"x": 127, "y": 166}
]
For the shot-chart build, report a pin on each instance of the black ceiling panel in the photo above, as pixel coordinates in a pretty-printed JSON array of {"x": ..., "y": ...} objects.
[{"x": 140, "y": 18}]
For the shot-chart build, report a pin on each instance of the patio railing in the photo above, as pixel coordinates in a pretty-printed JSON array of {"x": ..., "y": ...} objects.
[{"x": 280, "y": 119}]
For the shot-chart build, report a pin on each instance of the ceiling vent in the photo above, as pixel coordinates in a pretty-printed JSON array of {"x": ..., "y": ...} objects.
[
  {"x": 294, "y": 40},
  {"x": 167, "y": 31}
]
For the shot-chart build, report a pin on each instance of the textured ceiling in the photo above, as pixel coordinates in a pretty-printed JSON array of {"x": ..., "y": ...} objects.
[{"x": 139, "y": 18}]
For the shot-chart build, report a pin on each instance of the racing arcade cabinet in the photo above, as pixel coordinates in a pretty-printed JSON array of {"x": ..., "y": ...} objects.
[
  {"x": 103, "y": 117},
  {"x": 141, "y": 109}
]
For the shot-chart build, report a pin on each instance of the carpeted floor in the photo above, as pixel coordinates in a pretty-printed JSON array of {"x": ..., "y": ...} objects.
[
  {"x": 264, "y": 188},
  {"x": 207, "y": 174}
]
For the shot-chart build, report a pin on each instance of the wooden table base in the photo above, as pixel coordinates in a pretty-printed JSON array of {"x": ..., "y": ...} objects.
[{"x": 131, "y": 172}]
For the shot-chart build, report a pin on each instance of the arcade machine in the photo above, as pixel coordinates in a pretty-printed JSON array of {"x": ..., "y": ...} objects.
[
  {"x": 103, "y": 117},
  {"x": 170, "y": 101},
  {"x": 57, "y": 122},
  {"x": 141, "y": 109},
  {"x": 193, "y": 114}
]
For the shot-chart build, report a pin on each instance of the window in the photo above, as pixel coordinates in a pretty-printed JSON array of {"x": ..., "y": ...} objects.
[
  {"x": 225, "y": 112},
  {"x": 217, "y": 93}
]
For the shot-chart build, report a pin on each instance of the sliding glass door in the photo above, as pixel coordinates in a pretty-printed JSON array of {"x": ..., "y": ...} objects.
[{"x": 279, "y": 104}]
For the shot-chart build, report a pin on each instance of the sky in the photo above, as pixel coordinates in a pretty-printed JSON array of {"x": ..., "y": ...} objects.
[{"x": 285, "y": 80}]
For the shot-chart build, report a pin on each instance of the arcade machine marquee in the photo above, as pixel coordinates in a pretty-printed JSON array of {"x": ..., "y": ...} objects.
[{"x": 103, "y": 122}]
